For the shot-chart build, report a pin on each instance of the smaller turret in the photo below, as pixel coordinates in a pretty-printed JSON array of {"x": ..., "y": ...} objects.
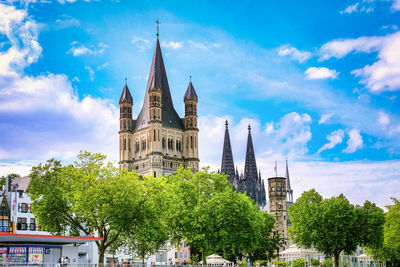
[
  {"x": 125, "y": 103},
  {"x": 190, "y": 100}
]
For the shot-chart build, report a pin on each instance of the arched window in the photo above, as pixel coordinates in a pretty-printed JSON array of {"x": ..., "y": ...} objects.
[
  {"x": 124, "y": 144},
  {"x": 191, "y": 142}
]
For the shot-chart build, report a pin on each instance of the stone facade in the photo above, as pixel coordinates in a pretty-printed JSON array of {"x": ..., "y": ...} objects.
[
  {"x": 250, "y": 182},
  {"x": 158, "y": 140}
]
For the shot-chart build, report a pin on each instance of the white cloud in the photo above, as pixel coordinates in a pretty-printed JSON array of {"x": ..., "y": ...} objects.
[
  {"x": 294, "y": 53},
  {"x": 383, "y": 119},
  {"x": 334, "y": 138},
  {"x": 22, "y": 33},
  {"x": 141, "y": 43},
  {"x": 325, "y": 117},
  {"x": 315, "y": 73},
  {"x": 91, "y": 72},
  {"x": 173, "y": 45},
  {"x": 354, "y": 142},
  {"x": 384, "y": 74},
  {"x": 57, "y": 123},
  {"x": 66, "y": 22},
  {"x": 341, "y": 47},
  {"x": 350, "y": 9},
  {"x": 203, "y": 45},
  {"x": 82, "y": 50},
  {"x": 396, "y": 5}
]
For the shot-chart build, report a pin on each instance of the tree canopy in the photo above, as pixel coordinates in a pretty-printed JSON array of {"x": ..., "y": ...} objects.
[
  {"x": 334, "y": 225},
  {"x": 88, "y": 196}
]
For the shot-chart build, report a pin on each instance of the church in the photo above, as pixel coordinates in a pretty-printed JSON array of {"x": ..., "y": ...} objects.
[{"x": 158, "y": 140}]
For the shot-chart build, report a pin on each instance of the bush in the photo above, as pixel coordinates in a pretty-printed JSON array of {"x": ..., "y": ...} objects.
[
  {"x": 242, "y": 263},
  {"x": 280, "y": 263},
  {"x": 328, "y": 263},
  {"x": 298, "y": 263},
  {"x": 315, "y": 262},
  {"x": 263, "y": 263}
]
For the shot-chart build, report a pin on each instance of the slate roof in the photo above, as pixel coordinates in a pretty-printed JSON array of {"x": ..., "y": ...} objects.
[
  {"x": 126, "y": 96},
  {"x": 158, "y": 79},
  {"x": 23, "y": 183},
  {"x": 190, "y": 93}
]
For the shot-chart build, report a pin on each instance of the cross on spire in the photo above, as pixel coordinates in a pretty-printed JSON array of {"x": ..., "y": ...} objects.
[
  {"x": 158, "y": 23},
  {"x": 249, "y": 128},
  {"x": 126, "y": 81},
  {"x": 190, "y": 78}
]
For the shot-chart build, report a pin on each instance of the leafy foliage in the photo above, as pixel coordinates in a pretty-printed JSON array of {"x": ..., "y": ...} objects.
[{"x": 334, "y": 225}]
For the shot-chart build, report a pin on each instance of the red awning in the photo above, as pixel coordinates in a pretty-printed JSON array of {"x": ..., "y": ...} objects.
[{"x": 44, "y": 239}]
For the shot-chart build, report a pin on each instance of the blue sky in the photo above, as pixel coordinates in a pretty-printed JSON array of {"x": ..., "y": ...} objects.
[{"x": 318, "y": 80}]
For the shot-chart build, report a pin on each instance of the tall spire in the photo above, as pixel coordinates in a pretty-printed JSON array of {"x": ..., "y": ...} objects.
[
  {"x": 158, "y": 79},
  {"x": 250, "y": 168},
  {"x": 227, "y": 165},
  {"x": 289, "y": 191}
]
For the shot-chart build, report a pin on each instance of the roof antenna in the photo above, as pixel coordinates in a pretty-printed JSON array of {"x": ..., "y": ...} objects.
[{"x": 158, "y": 23}]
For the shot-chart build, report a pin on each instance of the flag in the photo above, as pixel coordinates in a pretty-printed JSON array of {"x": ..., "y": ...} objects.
[{"x": 276, "y": 169}]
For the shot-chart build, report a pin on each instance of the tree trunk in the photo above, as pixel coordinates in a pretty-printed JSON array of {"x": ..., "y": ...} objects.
[
  {"x": 203, "y": 257},
  {"x": 336, "y": 257},
  {"x": 101, "y": 255}
]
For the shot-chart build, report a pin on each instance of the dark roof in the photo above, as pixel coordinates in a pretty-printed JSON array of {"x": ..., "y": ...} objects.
[
  {"x": 250, "y": 166},
  {"x": 158, "y": 79},
  {"x": 190, "y": 93},
  {"x": 227, "y": 165},
  {"x": 126, "y": 96}
]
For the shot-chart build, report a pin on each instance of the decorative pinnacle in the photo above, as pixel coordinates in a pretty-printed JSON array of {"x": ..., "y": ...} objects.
[
  {"x": 249, "y": 129},
  {"x": 226, "y": 124},
  {"x": 158, "y": 23}
]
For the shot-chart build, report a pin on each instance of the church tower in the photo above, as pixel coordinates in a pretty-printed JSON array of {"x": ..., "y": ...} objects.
[
  {"x": 277, "y": 208},
  {"x": 158, "y": 140}
]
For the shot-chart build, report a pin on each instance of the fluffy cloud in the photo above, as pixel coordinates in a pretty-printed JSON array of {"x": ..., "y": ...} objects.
[
  {"x": 294, "y": 53},
  {"x": 383, "y": 119},
  {"x": 365, "y": 6},
  {"x": 384, "y": 74},
  {"x": 334, "y": 138},
  {"x": 41, "y": 116},
  {"x": 354, "y": 142},
  {"x": 82, "y": 50},
  {"x": 314, "y": 73}
]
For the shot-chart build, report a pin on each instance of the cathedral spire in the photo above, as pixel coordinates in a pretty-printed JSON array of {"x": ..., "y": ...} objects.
[
  {"x": 227, "y": 165},
  {"x": 158, "y": 79},
  {"x": 250, "y": 168},
  {"x": 126, "y": 96},
  {"x": 289, "y": 191}
]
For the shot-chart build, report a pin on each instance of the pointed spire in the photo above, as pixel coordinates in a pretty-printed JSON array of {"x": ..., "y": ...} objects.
[
  {"x": 227, "y": 164},
  {"x": 190, "y": 92},
  {"x": 126, "y": 96},
  {"x": 250, "y": 167},
  {"x": 158, "y": 79},
  {"x": 289, "y": 191}
]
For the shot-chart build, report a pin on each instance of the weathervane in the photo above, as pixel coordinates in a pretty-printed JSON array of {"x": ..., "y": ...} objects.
[{"x": 158, "y": 23}]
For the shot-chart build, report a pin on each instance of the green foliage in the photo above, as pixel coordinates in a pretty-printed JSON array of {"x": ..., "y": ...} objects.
[
  {"x": 88, "y": 196},
  {"x": 298, "y": 262},
  {"x": 334, "y": 225},
  {"x": 4, "y": 177},
  {"x": 390, "y": 250},
  {"x": 315, "y": 262},
  {"x": 279, "y": 263},
  {"x": 211, "y": 217},
  {"x": 242, "y": 263},
  {"x": 262, "y": 262},
  {"x": 328, "y": 262}
]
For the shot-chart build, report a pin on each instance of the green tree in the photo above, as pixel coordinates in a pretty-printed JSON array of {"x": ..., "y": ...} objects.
[
  {"x": 88, "y": 196},
  {"x": 333, "y": 225},
  {"x": 4, "y": 177},
  {"x": 390, "y": 250},
  {"x": 212, "y": 218}
]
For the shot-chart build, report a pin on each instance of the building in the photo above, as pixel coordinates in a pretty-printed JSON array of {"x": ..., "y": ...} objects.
[
  {"x": 23, "y": 226},
  {"x": 250, "y": 182},
  {"x": 158, "y": 140}
]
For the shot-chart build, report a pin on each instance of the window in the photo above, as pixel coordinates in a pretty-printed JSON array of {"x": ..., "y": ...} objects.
[
  {"x": 278, "y": 188},
  {"x": 155, "y": 175},
  {"x": 32, "y": 225},
  {"x": 21, "y": 194},
  {"x": 161, "y": 257},
  {"x": 124, "y": 144},
  {"x": 163, "y": 142},
  {"x": 21, "y": 224},
  {"x": 191, "y": 142},
  {"x": 155, "y": 135},
  {"x": 23, "y": 208}
]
